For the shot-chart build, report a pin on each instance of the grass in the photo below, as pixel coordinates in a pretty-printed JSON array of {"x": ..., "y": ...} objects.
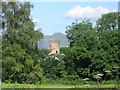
[{"x": 54, "y": 86}]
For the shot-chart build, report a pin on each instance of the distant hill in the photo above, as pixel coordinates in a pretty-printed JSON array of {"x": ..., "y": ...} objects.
[{"x": 57, "y": 36}]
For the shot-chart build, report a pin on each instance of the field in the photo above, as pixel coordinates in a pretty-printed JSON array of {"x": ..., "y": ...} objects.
[{"x": 54, "y": 86}]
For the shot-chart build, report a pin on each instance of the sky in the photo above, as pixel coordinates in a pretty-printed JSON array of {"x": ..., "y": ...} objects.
[{"x": 54, "y": 17}]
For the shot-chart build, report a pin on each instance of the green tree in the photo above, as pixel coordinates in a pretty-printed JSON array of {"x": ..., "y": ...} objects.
[
  {"x": 108, "y": 21},
  {"x": 53, "y": 66},
  {"x": 20, "y": 43},
  {"x": 76, "y": 30},
  {"x": 93, "y": 50},
  {"x": 82, "y": 39}
]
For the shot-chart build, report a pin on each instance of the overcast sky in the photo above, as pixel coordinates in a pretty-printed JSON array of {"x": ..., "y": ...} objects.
[{"x": 54, "y": 17}]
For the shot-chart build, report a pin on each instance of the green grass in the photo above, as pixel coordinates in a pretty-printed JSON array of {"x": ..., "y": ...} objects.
[{"x": 53, "y": 86}]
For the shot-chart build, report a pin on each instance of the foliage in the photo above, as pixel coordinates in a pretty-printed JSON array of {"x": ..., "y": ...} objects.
[
  {"x": 98, "y": 78},
  {"x": 108, "y": 21},
  {"x": 20, "y": 44},
  {"x": 93, "y": 50},
  {"x": 76, "y": 30},
  {"x": 53, "y": 66}
]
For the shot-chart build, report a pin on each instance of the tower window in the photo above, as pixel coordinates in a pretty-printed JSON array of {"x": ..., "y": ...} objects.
[{"x": 56, "y": 51}]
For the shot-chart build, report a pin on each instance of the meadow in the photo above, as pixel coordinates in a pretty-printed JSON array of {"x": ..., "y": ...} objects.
[{"x": 54, "y": 86}]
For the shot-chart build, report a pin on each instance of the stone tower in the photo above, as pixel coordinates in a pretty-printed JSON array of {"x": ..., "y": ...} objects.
[{"x": 54, "y": 46}]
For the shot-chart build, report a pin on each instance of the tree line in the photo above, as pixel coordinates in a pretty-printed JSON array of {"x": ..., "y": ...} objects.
[{"x": 92, "y": 50}]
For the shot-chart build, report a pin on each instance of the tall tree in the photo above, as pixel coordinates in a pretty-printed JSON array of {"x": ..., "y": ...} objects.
[
  {"x": 20, "y": 42},
  {"x": 92, "y": 50}
]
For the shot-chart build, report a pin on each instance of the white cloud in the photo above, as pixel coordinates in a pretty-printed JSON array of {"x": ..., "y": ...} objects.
[{"x": 78, "y": 12}]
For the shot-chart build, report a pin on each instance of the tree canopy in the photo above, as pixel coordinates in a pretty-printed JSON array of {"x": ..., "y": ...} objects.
[{"x": 20, "y": 43}]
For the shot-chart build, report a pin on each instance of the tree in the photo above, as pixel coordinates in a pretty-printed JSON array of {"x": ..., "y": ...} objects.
[
  {"x": 108, "y": 21},
  {"x": 53, "y": 66},
  {"x": 76, "y": 30},
  {"x": 93, "y": 49},
  {"x": 20, "y": 43}
]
